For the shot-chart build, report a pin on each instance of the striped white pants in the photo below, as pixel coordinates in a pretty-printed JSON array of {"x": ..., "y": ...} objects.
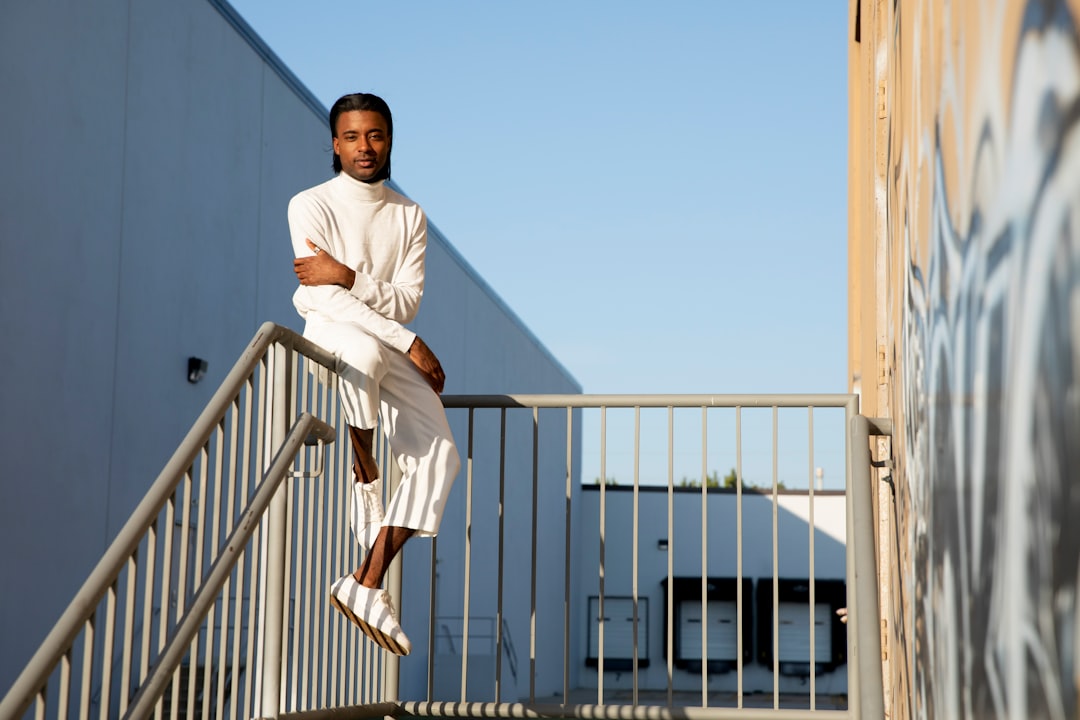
[{"x": 378, "y": 380}]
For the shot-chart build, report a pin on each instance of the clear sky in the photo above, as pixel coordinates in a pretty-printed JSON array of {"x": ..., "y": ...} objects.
[{"x": 658, "y": 190}]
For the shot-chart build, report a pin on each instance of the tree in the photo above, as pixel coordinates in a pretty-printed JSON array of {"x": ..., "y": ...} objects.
[
  {"x": 732, "y": 478},
  {"x": 728, "y": 482},
  {"x": 712, "y": 480}
]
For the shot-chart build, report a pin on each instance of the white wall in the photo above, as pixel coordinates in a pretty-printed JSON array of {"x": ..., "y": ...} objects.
[
  {"x": 793, "y": 552},
  {"x": 150, "y": 150}
]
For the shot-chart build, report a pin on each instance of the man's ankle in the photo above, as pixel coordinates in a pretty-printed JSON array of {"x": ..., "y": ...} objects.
[
  {"x": 359, "y": 577},
  {"x": 365, "y": 475}
]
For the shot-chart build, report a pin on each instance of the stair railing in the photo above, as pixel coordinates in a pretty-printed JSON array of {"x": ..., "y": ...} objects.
[{"x": 152, "y": 632}]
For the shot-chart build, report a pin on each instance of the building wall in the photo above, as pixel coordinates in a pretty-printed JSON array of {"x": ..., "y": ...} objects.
[
  {"x": 150, "y": 150},
  {"x": 965, "y": 330},
  {"x": 655, "y": 540}
]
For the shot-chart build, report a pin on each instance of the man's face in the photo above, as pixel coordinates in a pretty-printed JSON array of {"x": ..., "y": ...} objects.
[{"x": 362, "y": 143}]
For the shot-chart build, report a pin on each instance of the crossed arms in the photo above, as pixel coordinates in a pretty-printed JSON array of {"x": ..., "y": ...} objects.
[{"x": 322, "y": 270}]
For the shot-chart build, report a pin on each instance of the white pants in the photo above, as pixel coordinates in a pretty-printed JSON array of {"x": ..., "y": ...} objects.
[{"x": 377, "y": 379}]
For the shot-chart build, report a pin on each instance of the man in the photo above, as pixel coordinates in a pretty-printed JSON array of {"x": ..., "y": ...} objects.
[{"x": 359, "y": 250}]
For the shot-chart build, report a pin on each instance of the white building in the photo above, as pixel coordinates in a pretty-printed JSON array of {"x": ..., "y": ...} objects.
[{"x": 794, "y": 545}]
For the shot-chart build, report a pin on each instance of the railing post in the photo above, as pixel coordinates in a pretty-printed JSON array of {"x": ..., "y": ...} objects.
[
  {"x": 391, "y": 677},
  {"x": 274, "y": 562},
  {"x": 863, "y": 569}
]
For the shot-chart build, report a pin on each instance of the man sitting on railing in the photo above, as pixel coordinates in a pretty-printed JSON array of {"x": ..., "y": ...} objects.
[{"x": 359, "y": 249}]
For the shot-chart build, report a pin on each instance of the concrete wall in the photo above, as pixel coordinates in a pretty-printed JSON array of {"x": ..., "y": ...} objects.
[
  {"x": 965, "y": 330},
  {"x": 150, "y": 150}
]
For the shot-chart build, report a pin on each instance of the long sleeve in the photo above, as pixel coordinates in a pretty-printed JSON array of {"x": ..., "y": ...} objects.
[
  {"x": 400, "y": 298},
  {"x": 308, "y": 219}
]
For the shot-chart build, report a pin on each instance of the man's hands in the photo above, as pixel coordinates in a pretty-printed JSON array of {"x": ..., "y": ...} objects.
[
  {"x": 322, "y": 269},
  {"x": 427, "y": 364}
]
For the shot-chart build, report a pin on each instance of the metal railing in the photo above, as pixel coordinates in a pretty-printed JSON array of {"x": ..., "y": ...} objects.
[
  {"x": 863, "y": 642},
  {"x": 212, "y": 600},
  {"x": 187, "y": 613}
]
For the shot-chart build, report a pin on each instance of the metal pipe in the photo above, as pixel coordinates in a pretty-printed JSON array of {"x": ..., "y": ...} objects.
[
  {"x": 636, "y": 549},
  {"x": 601, "y": 626},
  {"x": 468, "y": 559},
  {"x": 738, "y": 556},
  {"x": 775, "y": 563},
  {"x": 566, "y": 550},
  {"x": 813, "y": 570},
  {"x": 645, "y": 401},
  {"x": 501, "y": 556},
  {"x": 535, "y": 547},
  {"x": 392, "y": 666},
  {"x": 274, "y": 565},
  {"x": 864, "y": 573},
  {"x": 671, "y": 558},
  {"x": 586, "y": 712},
  {"x": 704, "y": 557}
]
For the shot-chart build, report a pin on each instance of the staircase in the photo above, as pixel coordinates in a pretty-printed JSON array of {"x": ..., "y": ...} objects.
[{"x": 211, "y": 602}]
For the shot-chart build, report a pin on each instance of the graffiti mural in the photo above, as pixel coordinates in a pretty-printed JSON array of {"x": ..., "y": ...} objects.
[{"x": 989, "y": 356}]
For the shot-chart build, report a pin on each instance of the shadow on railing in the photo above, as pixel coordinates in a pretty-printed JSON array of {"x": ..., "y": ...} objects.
[{"x": 212, "y": 600}]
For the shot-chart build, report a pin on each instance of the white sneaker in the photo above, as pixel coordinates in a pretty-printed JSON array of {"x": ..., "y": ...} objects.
[
  {"x": 366, "y": 515},
  {"x": 371, "y": 610}
]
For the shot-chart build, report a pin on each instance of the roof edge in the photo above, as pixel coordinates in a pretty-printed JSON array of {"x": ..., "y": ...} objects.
[{"x": 247, "y": 32}]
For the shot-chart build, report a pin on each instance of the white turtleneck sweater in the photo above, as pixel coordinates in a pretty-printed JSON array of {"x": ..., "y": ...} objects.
[{"x": 382, "y": 236}]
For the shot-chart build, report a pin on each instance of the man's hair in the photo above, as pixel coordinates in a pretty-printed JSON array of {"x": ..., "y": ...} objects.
[{"x": 364, "y": 101}]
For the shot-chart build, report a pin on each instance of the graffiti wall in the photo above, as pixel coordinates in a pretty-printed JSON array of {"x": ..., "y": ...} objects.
[{"x": 966, "y": 209}]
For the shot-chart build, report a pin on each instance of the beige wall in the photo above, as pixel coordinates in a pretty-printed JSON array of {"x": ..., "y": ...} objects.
[{"x": 964, "y": 325}]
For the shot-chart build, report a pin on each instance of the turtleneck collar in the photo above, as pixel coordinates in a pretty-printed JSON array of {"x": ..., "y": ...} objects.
[{"x": 360, "y": 191}]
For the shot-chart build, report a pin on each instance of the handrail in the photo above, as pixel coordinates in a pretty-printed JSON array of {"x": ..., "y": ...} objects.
[
  {"x": 655, "y": 400},
  {"x": 82, "y": 607}
]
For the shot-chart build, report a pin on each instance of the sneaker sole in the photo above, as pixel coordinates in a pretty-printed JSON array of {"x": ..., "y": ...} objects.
[{"x": 377, "y": 636}]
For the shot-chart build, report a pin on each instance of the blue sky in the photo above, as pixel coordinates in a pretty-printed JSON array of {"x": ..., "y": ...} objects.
[{"x": 657, "y": 190}]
